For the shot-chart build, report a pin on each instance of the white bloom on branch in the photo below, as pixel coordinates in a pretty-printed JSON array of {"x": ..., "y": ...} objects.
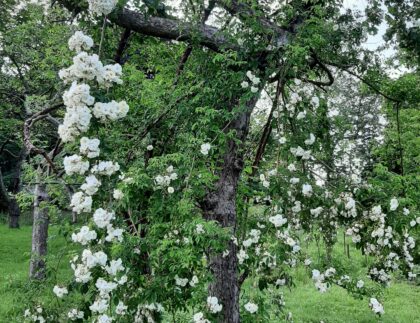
[
  {"x": 75, "y": 165},
  {"x": 310, "y": 140},
  {"x": 76, "y": 120},
  {"x": 100, "y": 305},
  {"x": 118, "y": 194},
  {"x": 114, "y": 234},
  {"x": 93, "y": 259},
  {"x": 105, "y": 168},
  {"x": 307, "y": 190},
  {"x": 251, "y": 307},
  {"x": 110, "y": 74},
  {"x": 213, "y": 304},
  {"x": 91, "y": 185},
  {"x": 393, "y": 205},
  {"x": 254, "y": 89},
  {"x": 278, "y": 220},
  {"x": 149, "y": 147},
  {"x": 75, "y": 314},
  {"x": 102, "y": 7},
  {"x": 79, "y": 41},
  {"x": 60, "y": 291},
  {"x": 199, "y": 229},
  {"x": 104, "y": 319},
  {"x": 121, "y": 309},
  {"x": 114, "y": 267},
  {"x": 199, "y": 318},
  {"x": 81, "y": 203},
  {"x": 376, "y": 307},
  {"x": 182, "y": 282},
  {"x": 103, "y": 218},
  {"x": 84, "y": 236},
  {"x": 194, "y": 281},
  {"x": 205, "y": 148},
  {"x": 89, "y": 147},
  {"x": 105, "y": 287},
  {"x": 110, "y": 111},
  {"x": 81, "y": 273},
  {"x": 78, "y": 95}
]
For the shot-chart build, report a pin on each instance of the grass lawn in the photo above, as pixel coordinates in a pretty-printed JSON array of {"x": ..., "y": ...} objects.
[
  {"x": 401, "y": 300},
  {"x": 15, "y": 250}
]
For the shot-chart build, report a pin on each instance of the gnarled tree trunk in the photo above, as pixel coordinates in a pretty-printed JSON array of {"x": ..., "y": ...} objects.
[
  {"x": 37, "y": 269},
  {"x": 220, "y": 205}
]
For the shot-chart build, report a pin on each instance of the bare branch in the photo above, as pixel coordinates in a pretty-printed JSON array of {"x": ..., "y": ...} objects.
[{"x": 27, "y": 133}]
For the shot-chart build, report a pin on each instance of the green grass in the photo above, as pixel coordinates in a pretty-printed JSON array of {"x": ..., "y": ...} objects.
[
  {"x": 15, "y": 286},
  {"x": 401, "y": 300}
]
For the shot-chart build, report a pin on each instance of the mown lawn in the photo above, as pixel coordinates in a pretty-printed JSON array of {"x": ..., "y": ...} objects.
[
  {"x": 15, "y": 247},
  {"x": 401, "y": 300}
]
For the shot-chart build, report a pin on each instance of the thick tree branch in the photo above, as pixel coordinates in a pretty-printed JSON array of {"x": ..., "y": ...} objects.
[
  {"x": 166, "y": 28},
  {"x": 122, "y": 45}
]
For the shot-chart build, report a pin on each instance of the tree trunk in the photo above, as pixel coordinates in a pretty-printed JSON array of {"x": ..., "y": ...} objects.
[
  {"x": 37, "y": 269},
  {"x": 220, "y": 205},
  {"x": 13, "y": 206},
  {"x": 10, "y": 202},
  {"x": 14, "y": 213}
]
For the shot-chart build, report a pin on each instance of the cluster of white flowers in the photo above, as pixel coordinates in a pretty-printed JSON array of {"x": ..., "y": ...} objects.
[
  {"x": 349, "y": 205},
  {"x": 105, "y": 168},
  {"x": 264, "y": 181},
  {"x": 109, "y": 75},
  {"x": 376, "y": 307},
  {"x": 310, "y": 141},
  {"x": 79, "y": 41},
  {"x": 213, "y": 304},
  {"x": 77, "y": 119},
  {"x": 88, "y": 67},
  {"x": 110, "y": 111},
  {"x": 393, "y": 204},
  {"x": 317, "y": 211},
  {"x": 146, "y": 312},
  {"x": 60, "y": 291},
  {"x": 84, "y": 236},
  {"x": 75, "y": 314},
  {"x": 205, "y": 148},
  {"x": 300, "y": 152},
  {"x": 102, "y": 218},
  {"x": 307, "y": 190},
  {"x": 36, "y": 316},
  {"x": 89, "y": 147},
  {"x": 277, "y": 220},
  {"x": 380, "y": 275},
  {"x": 75, "y": 165},
  {"x": 102, "y": 7},
  {"x": 81, "y": 202},
  {"x": 165, "y": 180},
  {"x": 78, "y": 96},
  {"x": 199, "y": 229},
  {"x": 251, "y": 307},
  {"x": 91, "y": 185},
  {"x": 117, "y": 194},
  {"x": 319, "y": 278},
  {"x": 255, "y": 81},
  {"x": 199, "y": 318},
  {"x": 78, "y": 99}
]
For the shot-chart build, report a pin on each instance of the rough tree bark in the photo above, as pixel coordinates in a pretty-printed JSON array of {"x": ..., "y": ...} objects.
[
  {"x": 14, "y": 210},
  {"x": 220, "y": 206},
  {"x": 37, "y": 268}
]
